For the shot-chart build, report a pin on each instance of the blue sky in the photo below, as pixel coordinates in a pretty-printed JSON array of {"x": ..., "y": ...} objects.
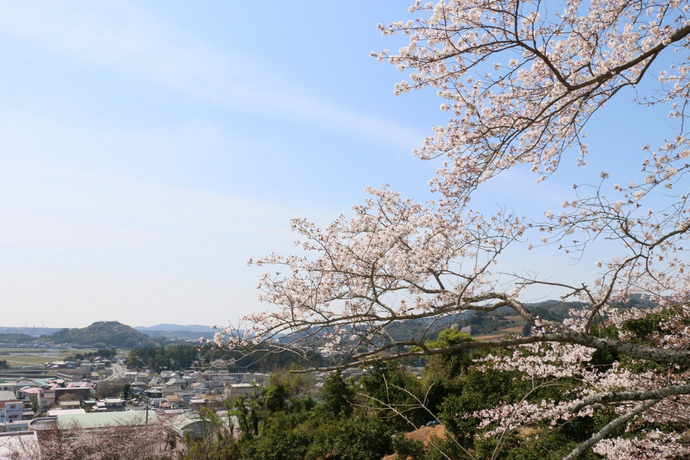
[{"x": 147, "y": 150}]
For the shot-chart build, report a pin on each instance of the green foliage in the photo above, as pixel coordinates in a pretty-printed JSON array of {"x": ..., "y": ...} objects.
[
  {"x": 544, "y": 444},
  {"x": 605, "y": 415},
  {"x": 387, "y": 386},
  {"x": 436, "y": 449},
  {"x": 337, "y": 396},
  {"x": 446, "y": 366},
  {"x": 175, "y": 357},
  {"x": 34, "y": 404},
  {"x": 262, "y": 359},
  {"x": 247, "y": 412},
  {"x": 352, "y": 439},
  {"x": 409, "y": 448},
  {"x": 283, "y": 392},
  {"x": 278, "y": 446},
  {"x": 110, "y": 388},
  {"x": 279, "y": 440},
  {"x": 449, "y": 337},
  {"x": 127, "y": 391},
  {"x": 216, "y": 441},
  {"x": 15, "y": 338},
  {"x": 355, "y": 419}
]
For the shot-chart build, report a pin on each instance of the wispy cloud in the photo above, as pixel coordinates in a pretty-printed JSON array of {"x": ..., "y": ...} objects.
[
  {"x": 128, "y": 39},
  {"x": 55, "y": 207}
]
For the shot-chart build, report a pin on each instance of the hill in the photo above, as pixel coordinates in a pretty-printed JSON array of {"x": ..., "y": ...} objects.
[
  {"x": 499, "y": 322},
  {"x": 102, "y": 334},
  {"x": 15, "y": 338}
]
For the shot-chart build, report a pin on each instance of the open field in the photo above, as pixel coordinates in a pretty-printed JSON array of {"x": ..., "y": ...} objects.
[{"x": 20, "y": 357}]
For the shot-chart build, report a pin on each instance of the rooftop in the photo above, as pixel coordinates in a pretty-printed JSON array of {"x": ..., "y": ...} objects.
[{"x": 103, "y": 419}]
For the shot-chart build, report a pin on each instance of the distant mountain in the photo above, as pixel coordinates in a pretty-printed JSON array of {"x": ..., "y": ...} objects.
[
  {"x": 102, "y": 334},
  {"x": 178, "y": 332},
  {"x": 499, "y": 322}
]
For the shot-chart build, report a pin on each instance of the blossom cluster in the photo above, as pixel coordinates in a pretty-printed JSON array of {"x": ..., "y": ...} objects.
[{"x": 520, "y": 81}]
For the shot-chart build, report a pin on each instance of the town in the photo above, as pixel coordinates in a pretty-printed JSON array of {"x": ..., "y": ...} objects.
[{"x": 99, "y": 390}]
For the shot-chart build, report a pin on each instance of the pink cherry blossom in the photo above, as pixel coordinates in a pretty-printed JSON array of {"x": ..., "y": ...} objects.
[{"x": 520, "y": 81}]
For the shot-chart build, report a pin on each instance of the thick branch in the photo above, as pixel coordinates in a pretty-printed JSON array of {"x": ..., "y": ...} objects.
[
  {"x": 647, "y": 353},
  {"x": 608, "y": 429},
  {"x": 622, "y": 396}
]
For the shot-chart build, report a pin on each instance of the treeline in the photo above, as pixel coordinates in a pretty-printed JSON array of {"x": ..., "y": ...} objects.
[
  {"x": 105, "y": 353},
  {"x": 16, "y": 338},
  {"x": 184, "y": 356},
  {"x": 173, "y": 357}
]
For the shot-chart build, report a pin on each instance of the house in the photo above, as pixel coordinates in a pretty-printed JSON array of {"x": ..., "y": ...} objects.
[
  {"x": 242, "y": 389},
  {"x": 73, "y": 375},
  {"x": 158, "y": 402},
  {"x": 197, "y": 403},
  {"x": 87, "y": 366},
  {"x": 177, "y": 381},
  {"x": 114, "y": 404},
  {"x": 193, "y": 376},
  {"x": 109, "y": 405},
  {"x": 70, "y": 405},
  {"x": 7, "y": 386},
  {"x": 10, "y": 412},
  {"x": 174, "y": 386},
  {"x": 167, "y": 375},
  {"x": 46, "y": 399},
  {"x": 139, "y": 387},
  {"x": 78, "y": 390},
  {"x": 200, "y": 388},
  {"x": 154, "y": 393}
]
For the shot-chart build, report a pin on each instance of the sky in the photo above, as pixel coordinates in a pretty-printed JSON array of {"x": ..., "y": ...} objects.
[{"x": 149, "y": 149}]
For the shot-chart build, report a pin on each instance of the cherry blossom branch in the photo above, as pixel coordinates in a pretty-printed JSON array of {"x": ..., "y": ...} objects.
[
  {"x": 625, "y": 396},
  {"x": 609, "y": 428}
]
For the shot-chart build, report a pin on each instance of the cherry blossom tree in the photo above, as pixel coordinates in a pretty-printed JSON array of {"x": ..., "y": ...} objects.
[
  {"x": 521, "y": 82},
  {"x": 129, "y": 441}
]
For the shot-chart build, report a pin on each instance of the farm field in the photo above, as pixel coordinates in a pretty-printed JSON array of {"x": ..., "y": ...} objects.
[{"x": 31, "y": 357}]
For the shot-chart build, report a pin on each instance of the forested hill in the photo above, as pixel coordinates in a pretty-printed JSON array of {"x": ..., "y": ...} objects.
[
  {"x": 15, "y": 338},
  {"x": 102, "y": 334},
  {"x": 502, "y": 321}
]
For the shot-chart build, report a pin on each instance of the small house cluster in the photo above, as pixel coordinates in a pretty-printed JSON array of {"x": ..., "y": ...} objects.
[{"x": 69, "y": 393}]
